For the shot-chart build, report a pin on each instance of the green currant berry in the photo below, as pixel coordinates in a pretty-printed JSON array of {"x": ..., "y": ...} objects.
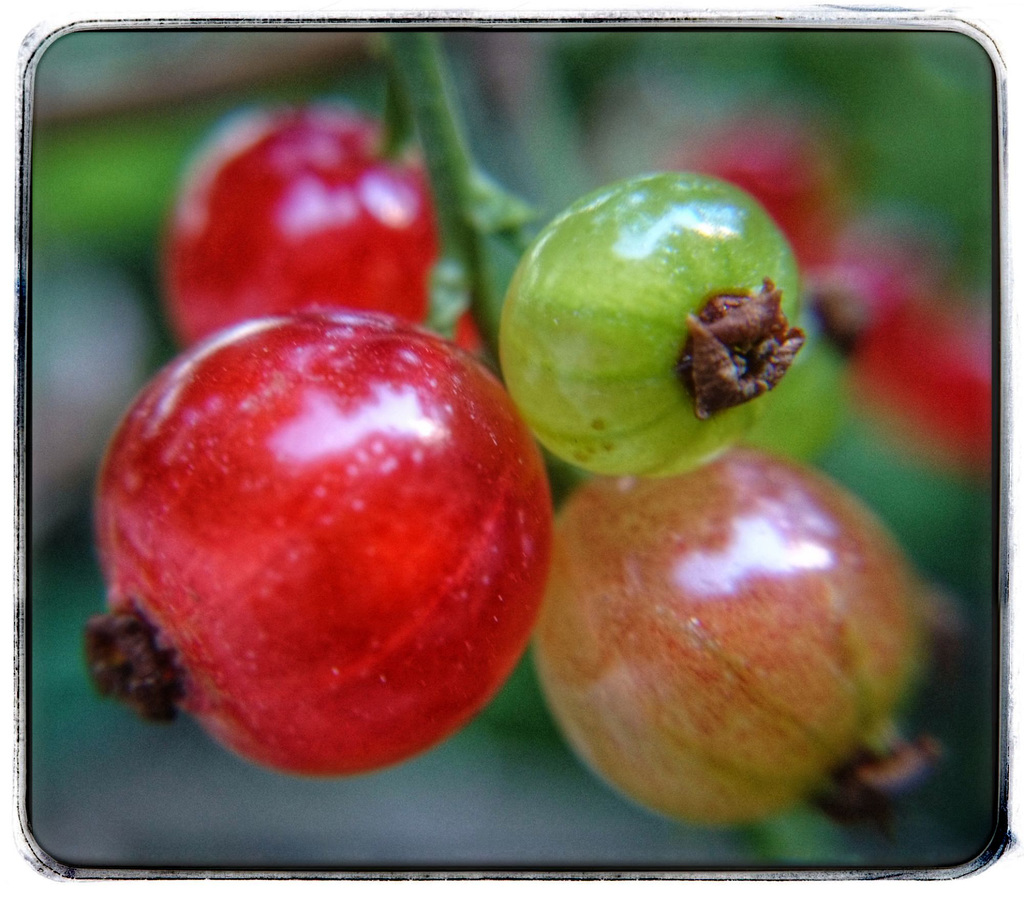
[{"x": 643, "y": 318}]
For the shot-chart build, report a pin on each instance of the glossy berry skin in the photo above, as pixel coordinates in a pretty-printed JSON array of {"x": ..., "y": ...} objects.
[
  {"x": 596, "y": 315},
  {"x": 340, "y": 527},
  {"x": 295, "y": 209},
  {"x": 714, "y": 645}
]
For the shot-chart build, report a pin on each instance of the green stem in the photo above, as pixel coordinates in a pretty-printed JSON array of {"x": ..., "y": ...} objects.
[
  {"x": 398, "y": 124},
  {"x": 460, "y": 279}
]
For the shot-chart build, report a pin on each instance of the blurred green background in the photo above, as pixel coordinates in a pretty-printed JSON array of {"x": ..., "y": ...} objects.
[{"x": 116, "y": 117}]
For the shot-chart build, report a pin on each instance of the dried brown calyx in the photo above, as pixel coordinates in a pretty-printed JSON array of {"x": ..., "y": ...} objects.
[
  {"x": 863, "y": 789},
  {"x": 739, "y": 346},
  {"x": 126, "y": 663},
  {"x": 842, "y": 316}
]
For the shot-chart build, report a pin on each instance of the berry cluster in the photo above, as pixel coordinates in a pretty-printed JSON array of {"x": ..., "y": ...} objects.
[{"x": 327, "y": 532}]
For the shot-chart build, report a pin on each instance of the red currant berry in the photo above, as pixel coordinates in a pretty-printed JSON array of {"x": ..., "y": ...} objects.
[
  {"x": 920, "y": 359},
  {"x": 718, "y": 644},
  {"x": 326, "y": 537},
  {"x": 874, "y": 268},
  {"x": 924, "y": 373},
  {"x": 292, "y": 210}
]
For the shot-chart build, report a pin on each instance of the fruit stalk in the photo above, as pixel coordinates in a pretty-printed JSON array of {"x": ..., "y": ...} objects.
[{"x": 459, "y": 278}]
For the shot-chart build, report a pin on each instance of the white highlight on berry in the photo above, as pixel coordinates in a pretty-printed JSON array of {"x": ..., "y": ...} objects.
[
  {"x": 646, "y": 234},
  {"x": 757, "y": 546},
  {"x": 324, "y": 428}
]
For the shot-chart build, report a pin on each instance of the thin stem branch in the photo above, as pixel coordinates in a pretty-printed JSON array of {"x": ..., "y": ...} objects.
[
  {"x": 460, "y": 278},
  {"x": 398, "y": 123}
]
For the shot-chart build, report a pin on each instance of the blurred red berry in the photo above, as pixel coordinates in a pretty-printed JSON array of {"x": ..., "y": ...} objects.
[
  {"x": 921, "y": 360},
  {"x": 874, "y": 267},
  {"x": 293, "y": 210},
  {"x": 924, "y": 371}
]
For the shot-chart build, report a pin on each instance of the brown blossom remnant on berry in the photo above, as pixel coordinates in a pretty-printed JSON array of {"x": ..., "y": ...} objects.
[
  {"x": 126, "y": 663},
  {"x": 863, "y": 789},
  {"x": 739, "y": 346},
  {"x": 841, "y": 315}
]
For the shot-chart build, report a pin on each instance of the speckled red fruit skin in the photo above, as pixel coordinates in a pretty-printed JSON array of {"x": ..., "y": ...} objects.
[
  {"x": 714, "y": 644},
  {"x": 340, "y": 525},
  {"x": 294, "y": 209}
]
